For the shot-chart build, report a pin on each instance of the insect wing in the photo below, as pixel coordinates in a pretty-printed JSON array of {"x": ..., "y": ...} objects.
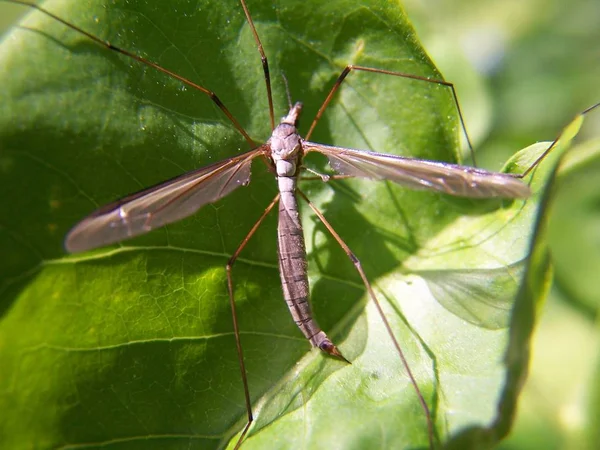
[
  {"x": 453, "y": 179},
  {"x": 159, "y": 205}
]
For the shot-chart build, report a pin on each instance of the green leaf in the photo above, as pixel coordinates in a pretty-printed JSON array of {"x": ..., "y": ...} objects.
[
  {"x": 132, "y": 346},
  {"x": 576, "y": 216}
]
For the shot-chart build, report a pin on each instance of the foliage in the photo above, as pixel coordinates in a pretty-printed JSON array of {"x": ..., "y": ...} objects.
[{"x": 133, "y": 344}]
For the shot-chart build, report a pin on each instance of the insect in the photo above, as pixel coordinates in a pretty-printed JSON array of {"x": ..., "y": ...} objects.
[{"x": 89, "y": 233}]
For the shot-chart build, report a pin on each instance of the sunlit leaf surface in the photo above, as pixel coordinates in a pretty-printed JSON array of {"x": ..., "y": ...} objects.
[{"x": 132, "y": 345}]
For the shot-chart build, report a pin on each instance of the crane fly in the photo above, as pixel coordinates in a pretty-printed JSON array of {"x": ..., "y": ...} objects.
[{"x": 283, "y": 153}]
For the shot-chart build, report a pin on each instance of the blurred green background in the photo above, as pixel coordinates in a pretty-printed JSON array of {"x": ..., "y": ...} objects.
[{"x": 523, "y": 69}]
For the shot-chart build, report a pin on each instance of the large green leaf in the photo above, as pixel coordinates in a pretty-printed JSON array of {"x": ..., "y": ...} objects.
[{"x": 132, "y": 346}]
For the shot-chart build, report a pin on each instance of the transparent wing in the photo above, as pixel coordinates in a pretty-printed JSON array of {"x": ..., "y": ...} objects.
[
  {"x": 462, "y": 181},
  {"x": 159, "y": 205}
]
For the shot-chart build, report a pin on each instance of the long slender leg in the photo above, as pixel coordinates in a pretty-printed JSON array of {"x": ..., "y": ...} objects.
[
  {"x": 386, "y": 323},
  {"x": 352, "y": 67},
  {"x": 109, "y": 46},
  {"x": 263, "y": 59},
  {"x": 236, "y": 330},
  {"x": 549, "y": 149}
]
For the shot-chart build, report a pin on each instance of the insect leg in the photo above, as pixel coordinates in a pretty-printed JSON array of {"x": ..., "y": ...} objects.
[
  {"x": 263, "y": 59},
  {"x": 386, "y": 323},
  {"x": 352, "y": 67},
  {"x": 109, "y": 46},
  {"x": 553, "y": 144},
  {"x": 236, "y": 329}
]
